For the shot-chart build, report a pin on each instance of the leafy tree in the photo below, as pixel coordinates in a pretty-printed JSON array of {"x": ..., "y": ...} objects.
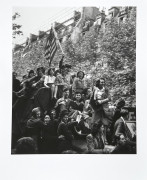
[
  {"x": 110, "y": 54},
  {"x": 15, "y": 27},
  {"x": 116, "y": 48}
]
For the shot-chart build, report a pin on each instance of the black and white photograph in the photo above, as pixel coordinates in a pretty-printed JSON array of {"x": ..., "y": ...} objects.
[{"x": 74, "y": 80}]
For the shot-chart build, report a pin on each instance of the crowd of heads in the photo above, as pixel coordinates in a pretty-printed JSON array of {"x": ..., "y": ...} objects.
[{"x": 80, "y": 110}]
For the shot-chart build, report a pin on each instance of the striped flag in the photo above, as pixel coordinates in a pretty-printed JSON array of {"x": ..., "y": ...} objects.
[{"x": 50, "y": 46}]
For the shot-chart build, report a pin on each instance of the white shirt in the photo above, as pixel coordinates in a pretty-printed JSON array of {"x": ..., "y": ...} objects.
[
  {"x": 49, "y": 79},
  {"x": 98, "y": 93}
]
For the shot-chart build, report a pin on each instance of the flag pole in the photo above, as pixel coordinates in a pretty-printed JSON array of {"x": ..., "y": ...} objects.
[{"x": 57, "y": 39}]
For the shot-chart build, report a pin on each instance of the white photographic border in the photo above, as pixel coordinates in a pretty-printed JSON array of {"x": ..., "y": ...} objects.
[{"x": 71, "y": 167}]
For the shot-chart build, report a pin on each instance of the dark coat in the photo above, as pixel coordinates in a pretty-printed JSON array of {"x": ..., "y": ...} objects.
[
  {"x": 129, "y": 147},
  {"x": 64, "y": 130},
  {"x": 76, "y": 106},
  {"x": 65, "y": 142},
  {"x": 50, "y": 129},
  {"x": 16, "y": 85}
]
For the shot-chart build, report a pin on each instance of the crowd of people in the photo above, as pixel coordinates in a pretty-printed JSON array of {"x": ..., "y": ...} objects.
[{"x": 74, "y": 112}]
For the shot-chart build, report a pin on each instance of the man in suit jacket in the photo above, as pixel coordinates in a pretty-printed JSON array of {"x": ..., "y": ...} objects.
[{"x": 119, "y": 127}]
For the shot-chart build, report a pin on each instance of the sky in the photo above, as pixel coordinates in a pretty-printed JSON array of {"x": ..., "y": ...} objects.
[{"x": 34, "y": 19}]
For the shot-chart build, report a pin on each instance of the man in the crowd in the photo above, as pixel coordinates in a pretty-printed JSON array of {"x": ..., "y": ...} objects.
[
  {"x": 63, "y": 103},
  {"x": 120, "y": 103},
  {"x": 78, "y": 104},
  {"x": 16, "y": 83},
  {"x": 35, "y": 121},
  {"x": 26, "y": 145},
  {"x": 35, "y": 82},
  {"x": 124, "y": 146},
  {"x": 35, "y": 124},
  {"x": 120, "y": 126},
  {"x": 65, "y": 136},
  {"x": 38, "y": 81},
  {"x": 99, "y": 103}
]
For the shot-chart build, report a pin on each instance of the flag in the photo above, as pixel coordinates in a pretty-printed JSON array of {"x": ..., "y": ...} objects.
[{"x": 50, "y": 46}]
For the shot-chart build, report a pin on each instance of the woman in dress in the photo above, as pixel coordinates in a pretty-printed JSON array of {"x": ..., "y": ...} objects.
[
  {"x": 49, "y": 81},
  {"x": 79, "y": 82}
]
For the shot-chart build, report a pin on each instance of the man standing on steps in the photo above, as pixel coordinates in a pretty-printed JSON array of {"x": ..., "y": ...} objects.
[{"x": 99, "y": 103}]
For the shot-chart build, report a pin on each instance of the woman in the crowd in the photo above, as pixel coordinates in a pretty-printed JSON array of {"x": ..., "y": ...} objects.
[
  {"x": 49, "y": 135},
  {"x": 79, "y": 82},
  {"x": 50, "y": 128},
  {"x": 61, "y": 82},
  {"x": 49, "y": 82},
  {"x": 31, "y": 74},
  {"x": 95, "y": 140}
]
